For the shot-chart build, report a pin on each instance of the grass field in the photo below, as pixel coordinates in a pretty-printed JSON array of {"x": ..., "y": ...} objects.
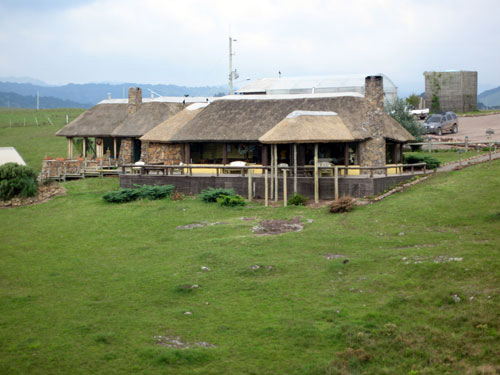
[
  {"x": 31, "y": 141},
  {"x": 86, "y": 286},
  {"x": 446, "y": 156}
]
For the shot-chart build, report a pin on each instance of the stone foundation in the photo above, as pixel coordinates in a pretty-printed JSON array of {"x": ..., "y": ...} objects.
[{"x": 165, "y": 153}]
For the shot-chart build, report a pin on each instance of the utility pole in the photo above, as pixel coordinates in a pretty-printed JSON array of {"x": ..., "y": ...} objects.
[
  {"x": 37, "y": 100},
  {"x": 232, "y": 74}
]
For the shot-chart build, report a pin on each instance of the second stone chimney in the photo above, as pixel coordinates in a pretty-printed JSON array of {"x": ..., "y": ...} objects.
[{"x": 134, "y": 99}]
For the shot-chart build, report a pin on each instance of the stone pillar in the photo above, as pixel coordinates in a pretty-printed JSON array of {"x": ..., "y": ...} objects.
[
  {"x": 134, "y": 99},
  {"x": 372, "y": 151},
  {"x": 127, "y": 151},
  {"x": 145, "y": 152}
]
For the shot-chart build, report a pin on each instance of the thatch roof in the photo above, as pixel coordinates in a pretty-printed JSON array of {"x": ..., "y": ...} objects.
[
  {"x": 98, "y": 121},
  {"x": 146, "y": 118},
  {"x": 164, "y": 131},
  {"x": 230, "y": 120},
  {"x": 313, "y": 127},
  {"x": 395, "y": 131}
]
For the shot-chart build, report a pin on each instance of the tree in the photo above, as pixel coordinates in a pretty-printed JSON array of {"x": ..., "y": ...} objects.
[
  {"x": 399, "y": 112},
  {"x": 413, "y": 100}
]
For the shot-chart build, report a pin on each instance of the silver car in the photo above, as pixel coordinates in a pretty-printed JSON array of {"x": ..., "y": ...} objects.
[{"x": 439, "y": 123}]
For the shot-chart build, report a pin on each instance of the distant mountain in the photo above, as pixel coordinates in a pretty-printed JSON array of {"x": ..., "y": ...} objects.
[
  {"x": 490, "y": 98},
  {"x": 93, "y": 93},
  {"x": 13, "y": 100},
  {"x": 33, "y": 81}
]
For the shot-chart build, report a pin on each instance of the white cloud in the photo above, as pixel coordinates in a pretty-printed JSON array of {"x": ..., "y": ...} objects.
[{"x": 185, "y": 42}]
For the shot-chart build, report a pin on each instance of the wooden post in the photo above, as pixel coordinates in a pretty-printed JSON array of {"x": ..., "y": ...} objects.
[
  {"x": 70, "y": 148},
  {"x": 316, "y": 177},
  {"x": 84, "y": 144},
  {"x": 272, "y": 172},
  {"x": 346, "y": 154},
  {"x": 285, "y": 200},
  {"x": 466, "y": 143},
  {"x": 295, "y": 168},
  {"x": 489, "y": 154},
  {"x": 336, "y": 178},
  {"x": 187, "y": 155},
  {"x": 276, "y": 191},
  {"x": 114, "y": 148},
  {"x": 266, "y": 194},
  {"x": 249, "y": 185},
  {"x": 224, "y": 153}
]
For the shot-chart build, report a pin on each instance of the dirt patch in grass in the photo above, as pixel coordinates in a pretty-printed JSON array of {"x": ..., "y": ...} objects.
[
  {"x": 176, "y": 342},
  {"x": 201, "y": 224},
  {"x": 274, "y": 227},
  {"x": 45, "y": 193}
]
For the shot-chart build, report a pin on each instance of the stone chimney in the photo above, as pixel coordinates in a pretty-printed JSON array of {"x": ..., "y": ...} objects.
[
  {"x": 374, "y": 92},
  {"x": 372, "y": 151},
  {"x": 134, "y": 99}
]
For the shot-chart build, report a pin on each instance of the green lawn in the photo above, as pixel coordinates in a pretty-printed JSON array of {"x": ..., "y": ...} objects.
[
  {"x": 31, "y": 141},
  {"x": 85, "y": 286},
  {"x": 447, "y": 156}
]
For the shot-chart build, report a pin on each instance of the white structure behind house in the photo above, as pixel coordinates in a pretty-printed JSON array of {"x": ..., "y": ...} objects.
[{"x": 317, "y": 85}]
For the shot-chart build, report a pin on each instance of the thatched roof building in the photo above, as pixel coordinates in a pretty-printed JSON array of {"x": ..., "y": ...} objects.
[
  {"x": 99, "y": 121},
  {"x": 313, "y": 127},
  {"x": 246, "y": 118},
  {"x": 149, "y": 115},
  {"x": 165, "y": 130}
]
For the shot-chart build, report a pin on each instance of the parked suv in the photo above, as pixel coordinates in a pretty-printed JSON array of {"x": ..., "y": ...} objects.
[{"x": 439, "y": 123}]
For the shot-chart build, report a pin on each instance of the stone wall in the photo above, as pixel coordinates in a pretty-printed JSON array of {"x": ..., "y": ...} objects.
[
  {"x": 372, "y": 151},
  {"x": 126, "y": 155},
  {"x": 56, "y": 167},
  {"x": 356, "y": 187},
  {"x": 166, "y": 153}
]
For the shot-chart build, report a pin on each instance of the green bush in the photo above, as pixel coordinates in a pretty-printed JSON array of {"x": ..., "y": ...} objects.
[
  {"x": 17, "y": 180},
  {"x": 430, "y": 161},
  {"x": 231, "y": 200},
  {"x": 139, "y": 192},
  {"x": 210, "y": 195},
  {"x": 298, "y": 200}
]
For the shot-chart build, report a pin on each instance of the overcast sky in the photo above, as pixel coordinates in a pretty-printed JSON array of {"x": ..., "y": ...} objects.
[{"x": 185, "y": 42}]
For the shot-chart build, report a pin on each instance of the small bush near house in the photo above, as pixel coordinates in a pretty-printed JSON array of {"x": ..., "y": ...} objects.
[
  {"x": 17, "y": 180},
  {"x": 343, "y": 204},
  {"x": 298, "y": 200},
  {"x": 139, "y": 192},
  {"x": 430, "y": 161},
  {"x": 210, "y": 195},
  {"x": 231, "y": 200}
]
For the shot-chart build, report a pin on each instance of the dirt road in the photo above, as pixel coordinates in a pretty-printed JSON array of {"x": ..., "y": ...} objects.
[{"x": 475, "y": 127}]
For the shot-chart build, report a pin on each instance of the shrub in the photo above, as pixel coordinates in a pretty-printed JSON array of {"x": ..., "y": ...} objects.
[
  {"x": 210, "y": 195},
  {"x": 231, "y": 200},
  {"x": 144, "y": 192},
  {"x": 430, "y": 161},
  {"x": 343, "y": 204},
  {"x": 298, "y": 200},
  {"x": 17, "y": 180}
]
